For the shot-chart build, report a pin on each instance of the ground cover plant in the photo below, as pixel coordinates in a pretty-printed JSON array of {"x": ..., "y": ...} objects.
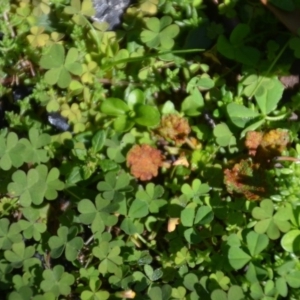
[{"x": 154, "y": 160}]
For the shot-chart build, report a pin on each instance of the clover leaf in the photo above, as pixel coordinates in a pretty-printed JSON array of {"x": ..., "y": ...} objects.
[
  {"x": 66, "y": 240},
  {"x": 235, "y": 48},
  {"x": 224, "y": 137},
  {"x": 37, "y": 38},
  {"x": 269, "y": 223},
  {"x": 152, "y": 196},
  {"x": 137, "y": 210},
  {"x": 98, "y": 214},
  {"x": 256, "y": 243},
  {"x": 18, "y": 254},
  {"x": 57, "y": 281},
  {"x": 36, "y": 141},
  {"x": 88, "y": 72},
  {"x": 60, "y": 67},
  {"x": 80, "y": 11},
  {"x": 194, "y": 215},
  {"x": 89, "y": 274},
  {"x": 94, "y": 292},
  {"x": 194, "y": 191},
  {"x": 11, "y": 152},
  {"x": 160, "y": 33},
  {"x": 33, "y": 227},
  {"x": 114, "y": 185},
  {"x": 289, "y": 276},
  {"x": 152, "y": 274},
  {"x": 192, "y": 104},
  {"x": 234, "y": 293},
  {"x": 160, "y": 293},
  {"x": 268, "y": 100},
  {"x": 23, "y": 293},
  {"x": 35, "y": 185},
  {"x": 9, "y": 234},
  {"x": 222, "y": 280},
  {"x": 110, "y": 260}
]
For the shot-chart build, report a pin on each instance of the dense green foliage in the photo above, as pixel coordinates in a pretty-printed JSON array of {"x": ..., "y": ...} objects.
[{"x": 172, "y": 169}]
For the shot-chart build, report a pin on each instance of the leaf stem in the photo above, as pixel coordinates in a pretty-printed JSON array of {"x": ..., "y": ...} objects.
[
  {"x": 276, "y": 118},
  {"x": 140, "y": 58},
  {"x": 72, "y": 194}
]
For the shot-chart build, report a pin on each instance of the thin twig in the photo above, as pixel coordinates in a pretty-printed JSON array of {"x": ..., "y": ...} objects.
[{"x": 9, "y": 26}]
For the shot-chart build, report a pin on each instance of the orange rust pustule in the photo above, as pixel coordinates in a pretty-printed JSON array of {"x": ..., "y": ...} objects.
[{"x": 144, "y": 161}]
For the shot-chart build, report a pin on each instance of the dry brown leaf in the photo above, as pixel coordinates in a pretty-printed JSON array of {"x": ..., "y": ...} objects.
[
  {"x": 290, "y": 19},
  {"x": 172, "y": 224}
]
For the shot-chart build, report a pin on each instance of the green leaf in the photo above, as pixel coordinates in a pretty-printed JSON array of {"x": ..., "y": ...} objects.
[
  {"x": 224, "y": 137},
  {"x": 218, "y": 295},
  {"x": 11, "y": 152},
  {"x": 34, "y": 152},
  {"x": 256, "y": 242},
  {"x": 109, "y": 256},
  {"x": 191, "y": 105},
  {"x": 293, "y": 279},
  {"x": 114, "y": 107},
  {"x": 146, "y": 115},
  {"x": 151, "y": 195},
  {"x": 98, "y": 141},
  {"x": 196, "y": 190},
  {"x": 53, "y": 57},
  {"x": 23, "y": 293},
  {"x": 160, "y": 293},
  {"x": 191, "y": 281},
  {"x": 123, "y": 124},
  {"x": 138, "y": 209},
  {"x": 66, "y": 240},
  {"x": 272, "y": 225},
  {"x": 35, "y": 185},
  {"x": 129, "y": 227},
  {"x": 290, "y": 242},
  {"x": 204, "y": 215},
  {"x": 9, "y": 234},
  {"x": 252, "y": 127},
  {"x": 239, "y": 33},
  {"x": 98, "y": 214},
  {"x": 256, "y": 291},
  {"x": 203, "y": 82},
  {"x": 160, "y": 33},
  {"x": 153, "y": 275},
  {"x": 236, "y": 49},
  {"x": 134, "y": 98},
  {"x": 18, "y": 254},
  {"x": 33, "y": 227},
  {"x": 235, "y": 293},
  {"x": 71, "y": 65},
  {"x": 114, "y": 185},
  {"x": 187, "y": 215},
  {"x": 57, "y": 281},
  {"x": 238, "y": 258},
  {"x": 281, "y": 286},
  {"x": 240, "y": 115},
  {"x": 267, "y": 101}
]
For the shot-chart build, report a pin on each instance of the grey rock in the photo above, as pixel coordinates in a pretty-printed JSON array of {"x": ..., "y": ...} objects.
[
  {"x": 110, "y": 11},
  {"x": 58, "y": 121}
]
